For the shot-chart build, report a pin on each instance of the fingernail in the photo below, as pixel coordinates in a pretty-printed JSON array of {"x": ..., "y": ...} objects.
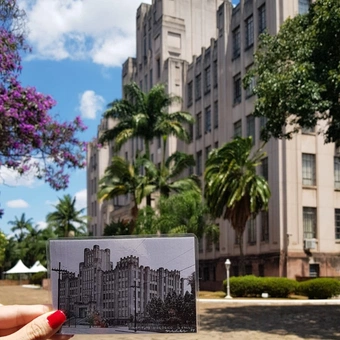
[{"x": 56, "y": 319}]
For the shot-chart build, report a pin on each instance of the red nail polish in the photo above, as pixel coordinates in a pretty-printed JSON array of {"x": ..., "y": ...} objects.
[{"x": 56, "y": 319}]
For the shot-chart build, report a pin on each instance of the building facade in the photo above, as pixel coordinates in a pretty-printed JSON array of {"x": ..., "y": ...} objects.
[
  {"x": 113, "y": 294},
  {"x": 201, "y": 50}
]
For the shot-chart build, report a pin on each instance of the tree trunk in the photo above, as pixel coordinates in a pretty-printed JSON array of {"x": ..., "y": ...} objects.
[{"x": 242, "y": 268}]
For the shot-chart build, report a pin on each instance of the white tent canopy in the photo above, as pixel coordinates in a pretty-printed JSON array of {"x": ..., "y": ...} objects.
[
  {"x": 19, "y": 268},
  {"x": 37, "y": 268}
]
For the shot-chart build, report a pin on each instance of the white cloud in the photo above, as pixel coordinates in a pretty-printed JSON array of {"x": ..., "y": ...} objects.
[
  {"x": 81, "y": 199},
  {"x": 20, "y": 203},
  {"x": 42, "y": 225},
  {"x": 90, "y": 104},
  {"x": 100, "y": 30},
  {"x": 11, "y": 177},
  {"x": 51, "y": 203}
]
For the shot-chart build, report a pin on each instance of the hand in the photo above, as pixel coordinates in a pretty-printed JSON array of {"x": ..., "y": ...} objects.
[{"x": 30, "y": 323}]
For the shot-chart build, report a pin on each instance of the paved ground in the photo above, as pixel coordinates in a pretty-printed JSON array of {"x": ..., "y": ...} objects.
[{"x": 228, "y": 320}]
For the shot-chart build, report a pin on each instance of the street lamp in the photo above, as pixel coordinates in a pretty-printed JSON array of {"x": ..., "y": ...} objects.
[{"x": 227, "y": 267}]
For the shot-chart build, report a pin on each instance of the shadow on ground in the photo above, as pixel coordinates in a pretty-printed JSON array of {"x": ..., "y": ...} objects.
[{"x": 317, "y": 322}]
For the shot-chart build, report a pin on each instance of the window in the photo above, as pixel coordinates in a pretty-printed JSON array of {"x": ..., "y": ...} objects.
[
  {"x": 209, "y": 244},
  {"x": 251, "y": 85},
  {"x": 216, "y": 114},
  {"x": 207, "y": 80},
  {"x": 249, "y": 27},
  {"x": 314, "y": 270},
  {"x": 264, "y": 226},
  {"x": 200, "y": 245},
  {"x": 215, "y": 73},
  {"x": 236, "y": 42},
  {"x": 198, "y": 87},
  {"x": 146, "y": 82},
  {"x": 199, "y": 163},
  {"x": 207, "y": 120},
  {"x": 309, "y": 223},
  {"x": 304, "y": 6},
  {"x": 151, "y": 80},
  {"x": 198, "y": 125},
  {"x": 337, "y": 172},
  {"x": 158, "y": 67},
  {"x": 190, "y": 88},
  {"x": 264, "y": 168},
  {"x": 251, "y": 127},
  {"x": 207, "y": 151},
  {"x": 238, "y": 128},
  {"x": 337, "y": 224},
  {"x": 308, "y": 169},
  {"x": 262, "y": 18},
  {"x": 237, "y": 89},
  {"x": 251, "y": 226}
]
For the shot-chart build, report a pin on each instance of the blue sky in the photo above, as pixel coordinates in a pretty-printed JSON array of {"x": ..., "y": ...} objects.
[{"x": 78, "y": 48}]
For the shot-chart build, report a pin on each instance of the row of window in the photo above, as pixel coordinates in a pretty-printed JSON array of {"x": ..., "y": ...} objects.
[
  {"x": 249, "y": 31},
  {"x": 309, "y": 170},
  {"x": 206, "y": 83},
  {"x": 207, "y": 120}
]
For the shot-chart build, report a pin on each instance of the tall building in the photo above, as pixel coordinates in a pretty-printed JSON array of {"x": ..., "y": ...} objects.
[
  {"x": 201, "y": 50},
  {"x": 111, "y": 293}
]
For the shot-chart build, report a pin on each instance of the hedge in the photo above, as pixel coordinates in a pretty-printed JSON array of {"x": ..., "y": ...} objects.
[
  {"x": 253, "y": 286},
  {"x": 321, "y": 288},
  {"x": 280, "y": 287}
]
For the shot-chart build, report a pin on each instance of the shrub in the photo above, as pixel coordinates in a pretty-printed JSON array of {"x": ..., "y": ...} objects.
[
  {"x": 252, "y": 286},
  {"x": 37, "y": 278},
  {"x": 322, "y": 288}
]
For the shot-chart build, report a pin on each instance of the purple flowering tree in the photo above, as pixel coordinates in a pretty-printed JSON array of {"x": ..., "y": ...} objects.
[{"x": 30, "y": 138}]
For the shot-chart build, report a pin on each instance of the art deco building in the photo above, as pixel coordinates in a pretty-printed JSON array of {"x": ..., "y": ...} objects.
[
  {"x": 201, "y": 50},
  {"x": 111, "y": 292}
]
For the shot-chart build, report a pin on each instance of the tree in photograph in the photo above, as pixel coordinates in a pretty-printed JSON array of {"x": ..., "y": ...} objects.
[
  {"x": 233, "y": 190},
  {"x": 297, "y": 74},
  {"x": 122, "y": 178},
  {"x": 66, "y": 219},
  {"x": 31, "y": 140},
  {"x": 145, "y": 115}
]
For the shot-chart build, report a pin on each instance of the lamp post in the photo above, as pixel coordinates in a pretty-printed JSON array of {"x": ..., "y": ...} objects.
[{"x": 227, "y": 267}]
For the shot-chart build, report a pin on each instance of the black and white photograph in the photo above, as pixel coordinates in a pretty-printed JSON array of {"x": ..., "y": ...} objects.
[{"x": 125, "y": 285}]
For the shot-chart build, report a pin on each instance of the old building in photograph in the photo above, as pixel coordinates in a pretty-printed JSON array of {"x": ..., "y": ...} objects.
[
  {"x": 201, "y": 50},
  {"x": 114, "y": 294}
]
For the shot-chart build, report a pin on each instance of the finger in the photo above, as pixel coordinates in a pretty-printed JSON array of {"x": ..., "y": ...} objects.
[
  {"x": 41, "y": 328},
  {"x": 15, "y": 316}
]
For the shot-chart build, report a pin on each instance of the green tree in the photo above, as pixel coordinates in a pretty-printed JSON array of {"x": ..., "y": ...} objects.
[
  {"x": 3, "y": 244},
  {"x": 116, "y": 228},
  {"x": 145, "y": 115},
  {"x": 20, "y": 226},
  {"x": 233, "y": 190},
  {"x": 122, "y": 178},
  {"x": 298, "y": 74},
  {"x": 66, "y": 219},
  {"x": 166, "y": 177},
  {"x": 185, "y": 212}
]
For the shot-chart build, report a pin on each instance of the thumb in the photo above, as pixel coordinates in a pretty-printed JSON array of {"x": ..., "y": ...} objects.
[{"x": 41, "y": 328}]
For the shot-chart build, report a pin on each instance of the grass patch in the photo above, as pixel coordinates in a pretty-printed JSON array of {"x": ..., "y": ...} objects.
[{"x": 203, "y": 294}]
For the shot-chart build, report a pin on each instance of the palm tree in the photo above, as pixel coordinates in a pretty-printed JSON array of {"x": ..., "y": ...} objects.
[
  {"x": 145, "y": 115},
  {"x": 66, "y": 218},
  {"x": 20, "y": 225},
  {"x": 165, "y": 177},
  {"x": 122, "y": 178},
  {"x": 232, "y": 187}
]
